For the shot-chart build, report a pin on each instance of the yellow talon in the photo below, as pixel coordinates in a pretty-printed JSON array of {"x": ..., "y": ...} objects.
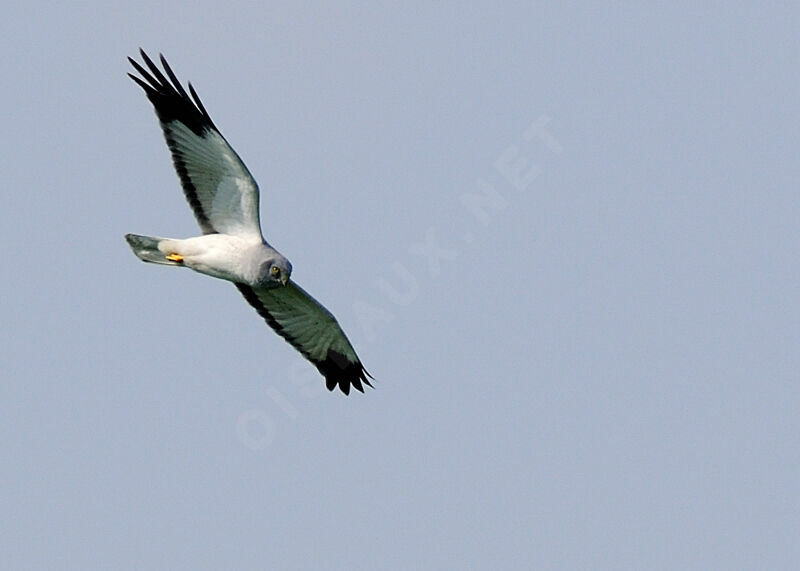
[{"x": 175, "y": 258}]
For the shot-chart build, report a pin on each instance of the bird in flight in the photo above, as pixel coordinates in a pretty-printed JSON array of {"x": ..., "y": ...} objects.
[{"x": 225, "y": 200}]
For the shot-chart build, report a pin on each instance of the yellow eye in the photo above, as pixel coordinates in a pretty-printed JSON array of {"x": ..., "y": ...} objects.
[{"x": 275, "y": 271}]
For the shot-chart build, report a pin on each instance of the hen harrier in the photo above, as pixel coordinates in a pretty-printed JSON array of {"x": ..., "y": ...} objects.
[{"x": 224, "y": 198}]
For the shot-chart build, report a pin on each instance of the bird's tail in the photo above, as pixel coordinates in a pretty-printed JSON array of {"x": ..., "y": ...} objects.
[{"x": 146, "y": 248}]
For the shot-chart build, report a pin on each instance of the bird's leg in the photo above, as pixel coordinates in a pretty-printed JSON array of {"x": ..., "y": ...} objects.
[{"x": 175, "y": 257}]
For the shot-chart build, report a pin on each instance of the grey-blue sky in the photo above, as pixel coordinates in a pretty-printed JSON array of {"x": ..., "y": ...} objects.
[{"x": 602, "y": 372}]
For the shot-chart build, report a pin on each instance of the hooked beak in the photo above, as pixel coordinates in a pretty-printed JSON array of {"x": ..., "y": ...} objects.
[{"x": 284, "y": 279}]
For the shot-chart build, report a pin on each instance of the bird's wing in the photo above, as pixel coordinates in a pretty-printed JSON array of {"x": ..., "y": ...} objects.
[
  {"x": 312, "y": 330},
  {"x": 217, "y": 184}
]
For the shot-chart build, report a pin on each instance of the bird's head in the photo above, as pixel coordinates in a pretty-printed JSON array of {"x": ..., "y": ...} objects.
[{"x": 274, "y": 271}]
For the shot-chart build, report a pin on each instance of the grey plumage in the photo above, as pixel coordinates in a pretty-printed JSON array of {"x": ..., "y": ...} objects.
[{"x": 225, "y": 200}]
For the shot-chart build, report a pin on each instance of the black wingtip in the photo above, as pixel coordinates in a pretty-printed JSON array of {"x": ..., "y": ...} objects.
[
  {"x": 341, "y": 372},
  {"x": 168, "y": 96},
  {"x": 346, "y": 382}
]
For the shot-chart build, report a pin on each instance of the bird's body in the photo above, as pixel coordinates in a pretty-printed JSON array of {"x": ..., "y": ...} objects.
[
  {"x": 225, "y": 200},
  {"x": 222, "y": 256}
]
